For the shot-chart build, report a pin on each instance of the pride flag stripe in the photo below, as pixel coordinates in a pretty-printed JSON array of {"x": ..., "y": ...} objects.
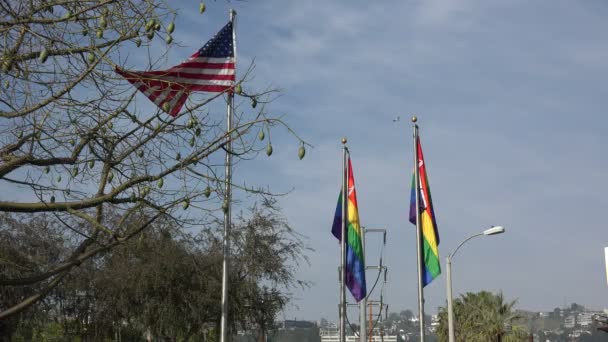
[
  {"x": 355, "y": 262},
  {"x": 430, "y": 235}
]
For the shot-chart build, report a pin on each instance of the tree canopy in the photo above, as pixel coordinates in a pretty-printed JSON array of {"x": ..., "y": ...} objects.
[
  {"x": 88, "y": 165},
  {"x": 165, "y": 283},
  {"x": 482, "y": 317}
]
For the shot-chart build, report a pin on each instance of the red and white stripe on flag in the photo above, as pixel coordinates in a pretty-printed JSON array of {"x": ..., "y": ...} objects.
[{"x": 210, "y": 69}]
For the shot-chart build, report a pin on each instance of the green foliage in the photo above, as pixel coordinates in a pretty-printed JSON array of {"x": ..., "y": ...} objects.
[
  {"x": 482, "y": 317},
  {"x": 165, "y": 282}
]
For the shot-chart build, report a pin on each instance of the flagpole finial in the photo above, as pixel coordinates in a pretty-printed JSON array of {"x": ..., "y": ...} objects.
[
  {"x": 344, "y": 141},
  {"x": 414, "y": 119}
]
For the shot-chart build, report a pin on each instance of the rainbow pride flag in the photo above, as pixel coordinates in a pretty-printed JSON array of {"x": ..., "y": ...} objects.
[
  {"x": 355, "y": 263},
  {"x": 431, "y": 267}
]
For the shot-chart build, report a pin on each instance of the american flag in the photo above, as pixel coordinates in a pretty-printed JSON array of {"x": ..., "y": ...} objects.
[{"x": 210, "y": 69}]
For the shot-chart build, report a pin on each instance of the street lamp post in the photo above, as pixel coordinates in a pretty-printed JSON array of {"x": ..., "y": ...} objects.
[{"x": 448, "y": 260}]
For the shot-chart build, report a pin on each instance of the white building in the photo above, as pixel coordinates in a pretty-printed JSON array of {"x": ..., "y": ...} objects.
[
  {"x": 585, "y": 318},
  {"x": 570, "y": 322}
]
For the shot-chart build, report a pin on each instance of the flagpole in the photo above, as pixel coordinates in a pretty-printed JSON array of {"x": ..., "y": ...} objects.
[
  {"x": 343, "y": 243},
  {"x": 363, "y": 303},
  {"x": 418, "y": 232},
  {"x": 227, "y": 206}
]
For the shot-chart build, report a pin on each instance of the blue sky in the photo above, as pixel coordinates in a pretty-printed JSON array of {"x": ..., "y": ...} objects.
[{"x": 511, "y": 99}]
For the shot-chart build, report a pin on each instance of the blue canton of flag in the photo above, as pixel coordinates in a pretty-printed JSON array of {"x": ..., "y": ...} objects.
[{"x": 220, "y": 45}]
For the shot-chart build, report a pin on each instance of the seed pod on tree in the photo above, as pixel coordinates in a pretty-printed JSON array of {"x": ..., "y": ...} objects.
[
  {"x": 44, "y": 54},
  {"x": 301, "y": 152}
]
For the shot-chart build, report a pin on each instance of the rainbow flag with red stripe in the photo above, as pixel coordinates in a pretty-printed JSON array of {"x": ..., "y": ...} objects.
[
  {"x": 355, "y": 262},
  {"x": 431, "y": 267}
]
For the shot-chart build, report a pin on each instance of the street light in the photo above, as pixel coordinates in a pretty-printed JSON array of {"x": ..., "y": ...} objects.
[{"x": 490, "y": 231}]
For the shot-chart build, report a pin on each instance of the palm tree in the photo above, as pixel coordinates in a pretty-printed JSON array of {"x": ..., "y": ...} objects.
[{"x": 482, "y": 317}]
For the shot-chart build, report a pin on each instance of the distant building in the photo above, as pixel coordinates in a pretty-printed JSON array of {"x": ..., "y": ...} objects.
[
  {"x": 585, "y": 319},
  {"x": 434, "y": 323},
  {"x": 570, "y": 322},
  {"x": 291, "y": 324}
]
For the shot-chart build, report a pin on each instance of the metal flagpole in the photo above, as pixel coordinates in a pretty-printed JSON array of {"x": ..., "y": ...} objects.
[
  {"x": 343, "y": 243},
  {"x": 418, "y": 232},
  {"x": 363, "y": 303},
  {"x": 227, "y": 198}
]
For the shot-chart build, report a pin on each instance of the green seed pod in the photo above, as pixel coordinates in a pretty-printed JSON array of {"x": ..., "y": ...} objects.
[
  {"x": 68, "y": 15},
  {"x": 99, "y": 34},
  {"x": 169, "y": 39},
  {"x": 261, "y": 135},
  {"x": 190, "y": 124},
  {"x": 171, "y": 27},
  {"x": 103, "y": 23},
  {"x": 91, "y": 58},
  {"x": 201, "y": 7},
  {"x": 254, "y": 102},
  {"x": 91, "y": 164},
  {"x": 150, "y": 24},
  {"x": 160, "y": 183},
  {"x": 269, "y": 150},
  {"x": 20, "y": 135},
  {"x": 238, "y": 89},
  {"x": 72, "y": 142},
  {"x": 59, "y": 179},
  {"x": 192, "y": 142},
  {"x": 110, "y": 177},
  {"x": 301, "y": 152},
  {"x": 178, "y": 156},
  {"x": 7, "y": 65},
  {"x": 157, "y": 26},
  {"x": 44, "y": 54},
  {"x": 166, "y": 107},
  {"x": 52, "y": 199},
  {"x": 150, "y": 35},
  {"x": 138, "y": 42},
  {"x": 140, "y": 153},
  {"x": 185, "y": 204},
  {"x": 85, "y": 32},
  {"x": 207, "y": 192},
  {"x": 75, "y": 171},
  {"x": 197, "y": 132},
  {"x": 47, "y": 169}
]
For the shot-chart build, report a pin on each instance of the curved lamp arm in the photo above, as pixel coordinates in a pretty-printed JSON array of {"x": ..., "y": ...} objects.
[
  {"x": 490, "y": 231},
  {"x": 463, "y": 242}
]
